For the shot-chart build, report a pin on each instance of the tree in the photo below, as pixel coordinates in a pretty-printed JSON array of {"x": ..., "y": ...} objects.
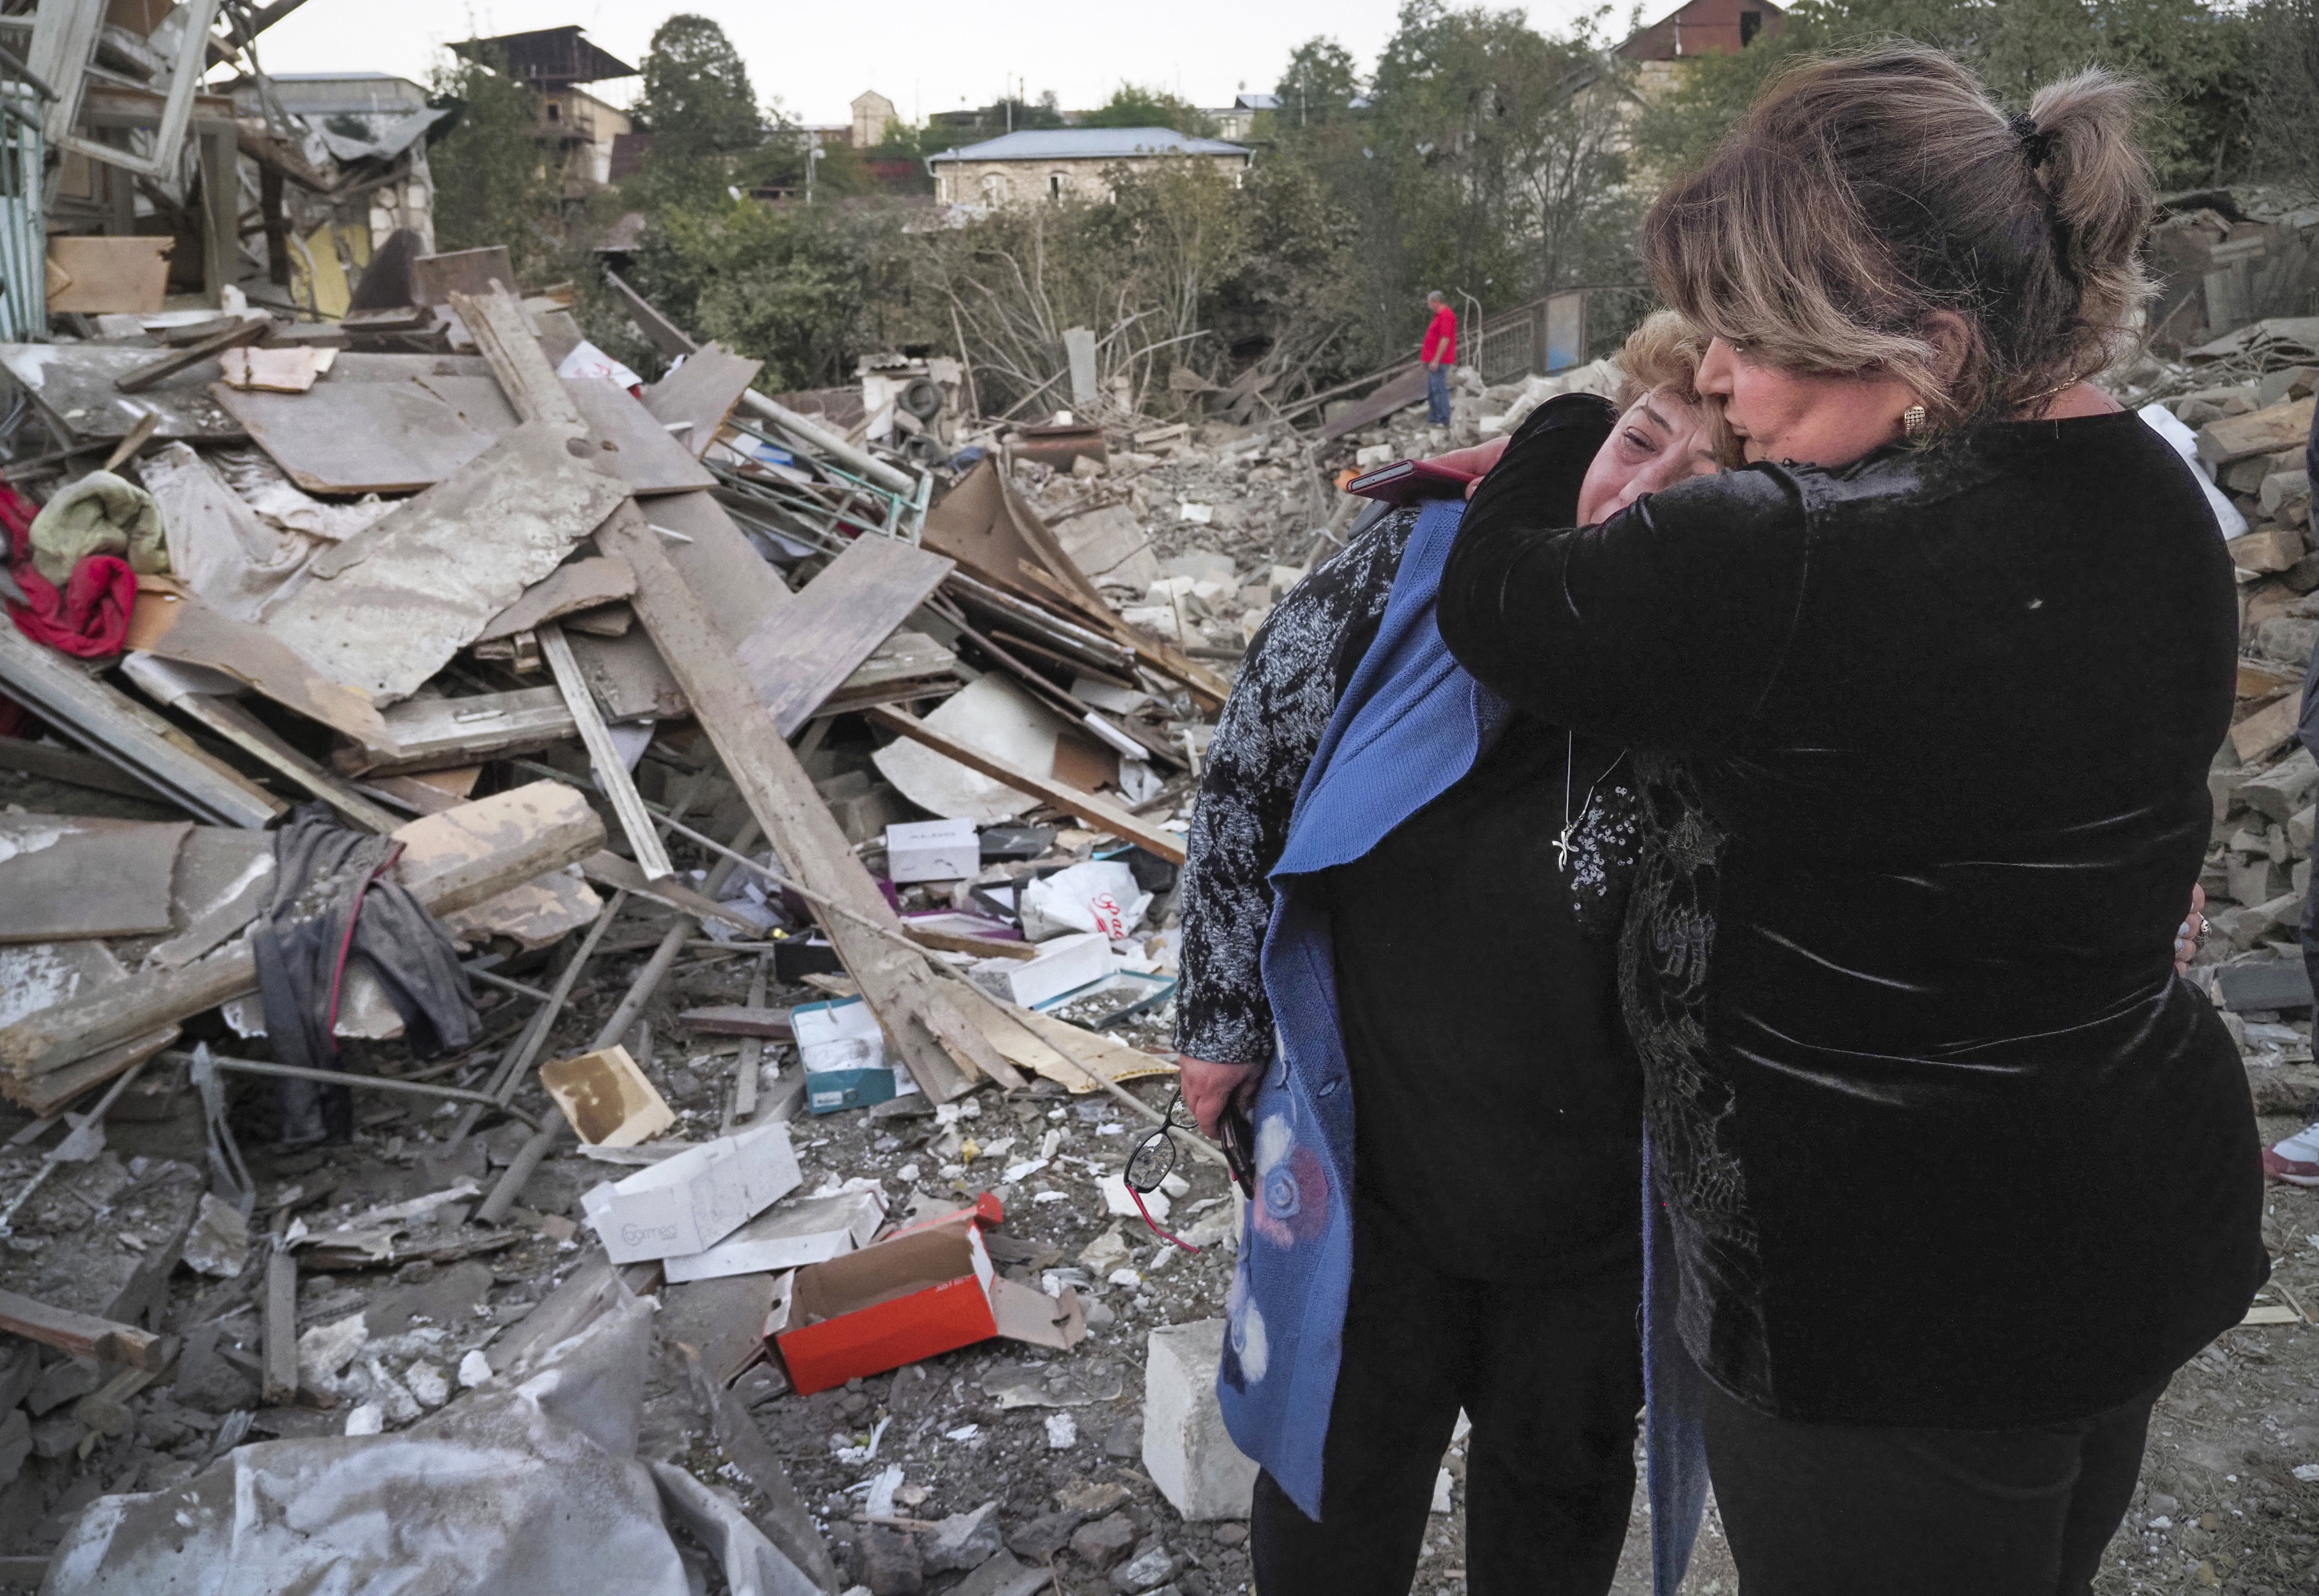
[
  {"x": 2286, "y": 108},
  {"x": 2199, "y": 60},
  {"x": 492, "y": 181},
  {"x": 700, "y": 111},
  {"x": 1319, "y": 83},
  {"x": 1132, "y": 106}
]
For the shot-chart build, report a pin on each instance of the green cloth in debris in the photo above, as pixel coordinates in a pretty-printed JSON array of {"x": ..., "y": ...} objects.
[{"x": 101, "y": 514}]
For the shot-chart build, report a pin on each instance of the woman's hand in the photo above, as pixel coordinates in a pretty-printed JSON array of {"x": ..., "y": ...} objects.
[
  {"x": 2193, "y": 931},
  {"x": 1209, "y": 1088},
  {"x": 1476, "y": 461}
]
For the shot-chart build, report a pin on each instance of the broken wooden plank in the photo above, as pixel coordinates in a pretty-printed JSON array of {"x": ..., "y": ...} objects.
[
  {"x": 110, "y": 725},
  {"x": 2262, "y": 432},
  {"x": 612, "y": 777},
  {"x": 80, "y": 770},
  {"x": 795, "y": 821},
  {"x": 292, "y": 370},
  {"x": 446, "y": 734},
  {"x": 153, "y": 371},
  {"x": 58, "y": 1088},
  {"x": 733, "y": 1019},
  {"x": 700, "y": 394},
  {"x": 451, "y": 862},
  {"x": 279, "y": 1384},
  {"x": 930, "y": 1035},
  {"x": 1100, "y": 813},
  {"x": 184, "y": 629},
  {"x": 582, "y": 584},
  {"x": 388, "y": 608},
  {"x": 62, "y": 875},
  {"x": 610, "y": 870},
  {"x": 436, "y": 278},
  {"x": 84, "y": 1335},
  {"x": 225, "y": 716},
  {"x": 805, "y": 651}
]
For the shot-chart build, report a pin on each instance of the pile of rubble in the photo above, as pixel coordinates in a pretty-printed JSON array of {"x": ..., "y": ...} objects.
[
  {"x": 793, "y": 827},
  {"x": 2247, "y": 430}
]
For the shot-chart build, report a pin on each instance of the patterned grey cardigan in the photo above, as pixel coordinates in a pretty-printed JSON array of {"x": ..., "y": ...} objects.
[{"x": 1272, "y": 727}]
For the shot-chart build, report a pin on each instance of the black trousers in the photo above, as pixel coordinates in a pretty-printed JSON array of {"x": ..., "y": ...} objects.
[
  {"x": 1551, "y": 1376},
  {"x": 1830, "y": 1509}
]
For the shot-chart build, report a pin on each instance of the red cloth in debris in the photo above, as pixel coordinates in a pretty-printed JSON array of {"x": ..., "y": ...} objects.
[{"x": 90, "y": 618}]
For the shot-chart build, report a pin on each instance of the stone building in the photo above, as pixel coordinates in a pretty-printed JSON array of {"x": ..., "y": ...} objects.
[
  {"x": 874, "y": 113},
  {"x": 1067, "y": 163}
]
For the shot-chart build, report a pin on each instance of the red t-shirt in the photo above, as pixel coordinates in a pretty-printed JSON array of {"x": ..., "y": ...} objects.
[{"x": 1440, "y": 337}]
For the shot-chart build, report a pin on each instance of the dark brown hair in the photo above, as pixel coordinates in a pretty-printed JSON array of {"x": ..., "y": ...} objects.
[{"x": 1862, "y": 193}]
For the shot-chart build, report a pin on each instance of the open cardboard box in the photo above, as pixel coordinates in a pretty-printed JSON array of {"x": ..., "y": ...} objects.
[
  {"x": 926, "y": 1291},
  {"x": 689, "y": 1202}
]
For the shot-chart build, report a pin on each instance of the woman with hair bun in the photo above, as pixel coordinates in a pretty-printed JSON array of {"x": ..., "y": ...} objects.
[{"x": 1955, "y": 1171}]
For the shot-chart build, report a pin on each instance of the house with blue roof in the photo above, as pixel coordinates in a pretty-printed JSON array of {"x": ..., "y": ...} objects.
[{"x": 1042, "y": 165}]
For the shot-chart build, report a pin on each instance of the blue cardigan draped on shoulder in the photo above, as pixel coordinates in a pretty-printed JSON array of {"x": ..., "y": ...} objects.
[{"x": 1410, "y": 724}]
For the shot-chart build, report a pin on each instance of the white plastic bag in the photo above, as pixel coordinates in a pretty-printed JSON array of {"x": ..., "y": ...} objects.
[{"x": 1093, "y": 896}]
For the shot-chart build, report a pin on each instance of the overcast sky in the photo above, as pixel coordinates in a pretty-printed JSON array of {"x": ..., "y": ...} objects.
[{"x": 924, "y": 56}]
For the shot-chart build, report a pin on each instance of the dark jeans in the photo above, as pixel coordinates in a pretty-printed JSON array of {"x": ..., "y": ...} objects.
[
  {"x": 1551, "y": 1376},
  {"x": 1437, "y": 395},
  {"x": 1829, "y": 1509}
]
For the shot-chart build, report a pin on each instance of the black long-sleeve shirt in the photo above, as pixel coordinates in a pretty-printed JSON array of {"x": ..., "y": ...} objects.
[
  {"x": 1497, "y": 1108},
  {"x": 1923, "y": 746}
]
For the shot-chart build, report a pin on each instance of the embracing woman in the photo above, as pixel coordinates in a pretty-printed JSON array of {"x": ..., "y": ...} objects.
[
  {"x": 1418, "y": 891},
  {"x": 1921, "y": 705}
]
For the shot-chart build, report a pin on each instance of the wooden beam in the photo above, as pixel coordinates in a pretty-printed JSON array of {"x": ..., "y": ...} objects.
[
  {"x": 208, "y": 348},
  {"x": 451, "y": 862},
  {"x": 897, "y": 986},
  {"x": 84, "y": 1335},
  {"x": 612, "y": 777},
  {"x": 80, "y": 769},
  {"x": 1100, "y": 813},
  {"x": 280, "y": 1386},
  {"x": 116, "y": 727},
  {"x": 450, "y": 734},
  {"x": 930, "y": 1033}
]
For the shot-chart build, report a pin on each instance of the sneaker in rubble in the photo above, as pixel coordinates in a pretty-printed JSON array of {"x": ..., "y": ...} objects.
[{"x": 2295, "y": 1160}]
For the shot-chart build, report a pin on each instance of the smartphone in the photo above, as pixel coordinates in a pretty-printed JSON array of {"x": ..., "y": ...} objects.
[
  {"x": 1412, "y": 482},
  {"x": 1239, "y": 1137}
]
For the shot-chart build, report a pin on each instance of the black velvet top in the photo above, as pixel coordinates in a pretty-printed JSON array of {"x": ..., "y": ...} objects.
[{"x": 1923, "y": 745}]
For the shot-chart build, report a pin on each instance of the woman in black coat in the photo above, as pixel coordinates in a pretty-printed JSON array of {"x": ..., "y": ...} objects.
[{"x": 1922, "y": 703}]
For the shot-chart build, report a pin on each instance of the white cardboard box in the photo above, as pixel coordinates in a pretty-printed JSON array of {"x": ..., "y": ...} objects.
[
  {"x": 690, "y": 1201},
  {"x": 1064, "y": 964},
  {"x": 932, "y": 851},
  {"x": 840, "y": 1034},
  {"x": 815, "y": 1231}
]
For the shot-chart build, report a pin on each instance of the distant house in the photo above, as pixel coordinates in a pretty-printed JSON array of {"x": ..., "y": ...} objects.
[
  {"x": 1702, "y": 28},
  {"x": 1237, "y": 120},
  {"x": 360, "y": 116},
  {"x": 874, "y": 113},
  {"x": 1067, "y": 163},
  {"x": 580, "y": 128}
]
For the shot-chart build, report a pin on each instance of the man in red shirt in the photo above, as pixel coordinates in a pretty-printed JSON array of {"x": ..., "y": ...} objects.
[{"x": 1437, "y": 354}]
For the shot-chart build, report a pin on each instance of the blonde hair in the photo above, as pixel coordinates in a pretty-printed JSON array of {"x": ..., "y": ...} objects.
[
  {"x": 1863, "y": 193},
  {"x": 1664, "y": 354}
]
